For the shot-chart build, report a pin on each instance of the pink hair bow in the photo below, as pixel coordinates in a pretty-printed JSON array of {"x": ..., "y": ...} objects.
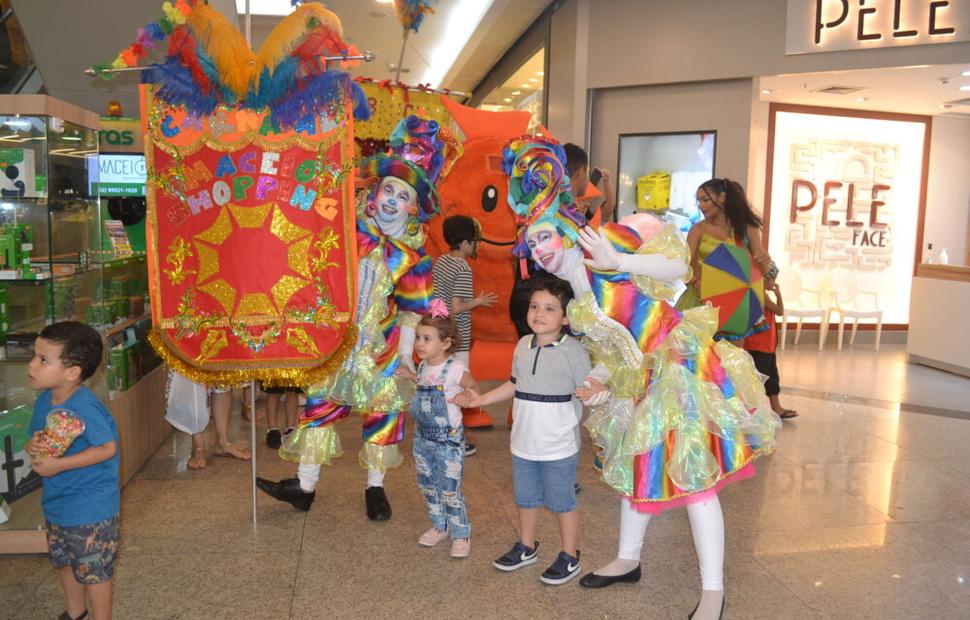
[{"x": 438, "y": 309}]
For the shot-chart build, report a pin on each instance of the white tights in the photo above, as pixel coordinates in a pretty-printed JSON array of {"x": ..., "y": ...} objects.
[
  {"x": 706, "y": 526},
  {"x": 309, "y": 475}
]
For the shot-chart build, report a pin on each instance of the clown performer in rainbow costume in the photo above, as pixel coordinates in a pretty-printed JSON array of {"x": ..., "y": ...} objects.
[
  {"x": 394, "y": 288},
  {"x": 676, "y": 415}
]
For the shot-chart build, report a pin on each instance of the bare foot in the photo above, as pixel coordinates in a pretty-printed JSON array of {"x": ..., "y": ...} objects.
[
  {"x": 229, "y": 450},
  {"x": 197, "y": 460}
]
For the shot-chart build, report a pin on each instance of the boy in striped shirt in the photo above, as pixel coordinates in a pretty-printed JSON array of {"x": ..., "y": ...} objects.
[{"x": 453, "y": 285}]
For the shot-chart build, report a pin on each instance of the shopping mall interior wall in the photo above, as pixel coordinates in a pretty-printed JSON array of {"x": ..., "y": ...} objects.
[
  {"x": 724, "y": 106},
  {"x": 947, "y": 220},
  {"x": 662, "y": 41},
  {"x": 566, "y": 80}
]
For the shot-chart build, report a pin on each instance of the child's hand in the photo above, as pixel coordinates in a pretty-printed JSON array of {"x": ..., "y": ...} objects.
[
  {"x": 592, "y": 392},
  {"x": 405, "y": 373},
  {"x": 46, "y": 466},
  {"x": 467, "y": 398},
  {"x": 36, "y": 444},
  {"x": 405, "y": 368},
  {"x": 486, "y": 299}
]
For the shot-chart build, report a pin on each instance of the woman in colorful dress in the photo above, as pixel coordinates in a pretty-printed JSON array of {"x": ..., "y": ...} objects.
[
  {"x": 728, "y": 220},
  {"x": 681, "y": 415}
]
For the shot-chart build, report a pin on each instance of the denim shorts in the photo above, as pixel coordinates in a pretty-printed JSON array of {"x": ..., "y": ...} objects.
[
  {"x": 88, "y": 549},
  {"x": 545, "y": 483}
]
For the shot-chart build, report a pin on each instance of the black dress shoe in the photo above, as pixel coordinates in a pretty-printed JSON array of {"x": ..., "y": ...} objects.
[
  {"x": 720, "y": 614},
  {"x": 378, "y": 508},
  {"x": 592, "y": 580},
  {"x": 287, "y": 491}
]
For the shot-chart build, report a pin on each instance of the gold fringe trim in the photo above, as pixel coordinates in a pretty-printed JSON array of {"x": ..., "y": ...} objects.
[{"x": 270, "y": 377}]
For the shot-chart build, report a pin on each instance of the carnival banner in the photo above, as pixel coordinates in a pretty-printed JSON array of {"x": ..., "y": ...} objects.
[
  {"x": 390, "y": 103},
  {"x": 250, "y": 235}
]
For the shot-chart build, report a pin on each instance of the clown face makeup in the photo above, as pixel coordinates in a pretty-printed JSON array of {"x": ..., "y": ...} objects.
[
  {"x": 394, "y": 202},
  {"x": 545, "y": 246}
]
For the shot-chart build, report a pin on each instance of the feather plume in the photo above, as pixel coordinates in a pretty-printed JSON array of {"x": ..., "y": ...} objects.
[
  {"x": 291, "y": 31},
  {"x": 227, "y": 47}
]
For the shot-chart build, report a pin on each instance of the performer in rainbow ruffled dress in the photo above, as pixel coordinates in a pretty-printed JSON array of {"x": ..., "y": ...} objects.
[
  {"x": 394, "y": 288},
  {"x": 681, "y": 415}
]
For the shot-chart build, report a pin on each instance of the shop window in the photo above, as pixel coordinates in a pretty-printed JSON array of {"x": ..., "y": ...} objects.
[{"x": 659, "y": 174}]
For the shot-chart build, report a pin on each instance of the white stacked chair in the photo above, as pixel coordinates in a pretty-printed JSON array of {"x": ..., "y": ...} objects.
[
  {"x": 846, "y": 296},
  {"x": 801, "y": 303}
]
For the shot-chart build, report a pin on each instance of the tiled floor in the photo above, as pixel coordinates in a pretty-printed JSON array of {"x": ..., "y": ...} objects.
[{"x": 863, "y": 512}]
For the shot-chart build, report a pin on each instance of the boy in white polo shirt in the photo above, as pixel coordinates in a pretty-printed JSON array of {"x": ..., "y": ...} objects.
[{"x": 547, "y": 368}]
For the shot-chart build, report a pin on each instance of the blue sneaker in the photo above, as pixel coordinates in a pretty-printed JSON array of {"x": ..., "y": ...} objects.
[
  {"x": 562, "y": 570},
  {"x": 517, "y": 557}
]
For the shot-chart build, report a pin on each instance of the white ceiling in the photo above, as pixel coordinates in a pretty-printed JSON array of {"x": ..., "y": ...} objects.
[
  {"x": 67, "y": 36},
  {"x": 372, "y": 26},
  {"x": 923, "y": 89}
]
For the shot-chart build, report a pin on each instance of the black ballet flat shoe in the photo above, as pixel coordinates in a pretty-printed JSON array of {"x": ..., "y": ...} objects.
[
  {"x": 378, "y": 508},
  {"x": 287, "y": 491},
  {"x": 592, "y": 580},
  {"x": 720, "y": 614}
]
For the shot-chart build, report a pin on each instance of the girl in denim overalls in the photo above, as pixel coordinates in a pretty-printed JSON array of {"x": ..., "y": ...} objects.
[{"x": 439, "y": 438}]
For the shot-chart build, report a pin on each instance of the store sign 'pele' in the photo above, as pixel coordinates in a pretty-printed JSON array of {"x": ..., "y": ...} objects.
[
  {"x": 875, "y": 235},
  {"x": 832, "y": 25}
]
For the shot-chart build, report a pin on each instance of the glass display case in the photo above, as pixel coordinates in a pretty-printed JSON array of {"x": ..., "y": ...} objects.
[
  {"x": 57, "y": 262},
  {"x": 659, "y": 173}
]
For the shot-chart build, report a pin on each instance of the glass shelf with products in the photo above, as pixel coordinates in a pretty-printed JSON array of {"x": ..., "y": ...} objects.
[
  {"x": 65, "y": 255},
  {"x": 48, "y": 225}
]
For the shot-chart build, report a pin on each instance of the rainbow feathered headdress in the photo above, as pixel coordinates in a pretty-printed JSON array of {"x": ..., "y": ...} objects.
[
  {"x": 539, "y": 188},
  {"x": 208, "y": 63},
  {"x": 421, "y": 154}
]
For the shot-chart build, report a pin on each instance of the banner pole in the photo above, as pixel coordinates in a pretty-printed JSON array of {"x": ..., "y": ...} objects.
[{"x": 252, "y": 438}]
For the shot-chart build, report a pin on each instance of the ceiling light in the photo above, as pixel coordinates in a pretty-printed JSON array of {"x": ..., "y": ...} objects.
[
  {"x": 965, "y": 74},
  {"x": 965, "y": 88},
  {"x": 516, "y": 92},
  {"x": 540, "y": 73},
  {"x": 766, "y": 91},
  {"x": 385, "y": 1},
  {"x": 265, "y": 7},
  {"x": 462, "y": 22},
  {"x": 533, "y": 79},
  {"x": 945, "y": 106},
  {"x": 862, "y": 99},
  {"x": 17, "y": 123},
  {"x": 527, "y": 86},
  {"x": 72, "y": 138},
  {"x": 507, "y": 100}
]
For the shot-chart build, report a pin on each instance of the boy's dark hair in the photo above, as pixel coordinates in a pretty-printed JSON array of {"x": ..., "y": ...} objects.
[
  {"x": 81, "y": 344},
  {"x": 447, "y": 328},
  {"x": 458, "y": 228},
  {"x": 556, "y": 287},
  {"x": 576, "y": 158}
]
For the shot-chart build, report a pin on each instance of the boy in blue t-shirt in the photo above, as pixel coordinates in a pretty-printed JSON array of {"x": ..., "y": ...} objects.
[{"x": 81, "y": 496}]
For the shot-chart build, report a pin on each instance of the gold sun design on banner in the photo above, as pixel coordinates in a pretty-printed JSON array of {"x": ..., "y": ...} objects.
[{"x": 238, "y": 233}]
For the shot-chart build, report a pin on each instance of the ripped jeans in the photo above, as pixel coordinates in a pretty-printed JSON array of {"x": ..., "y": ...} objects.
[{"x": 439, "y": 457}]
